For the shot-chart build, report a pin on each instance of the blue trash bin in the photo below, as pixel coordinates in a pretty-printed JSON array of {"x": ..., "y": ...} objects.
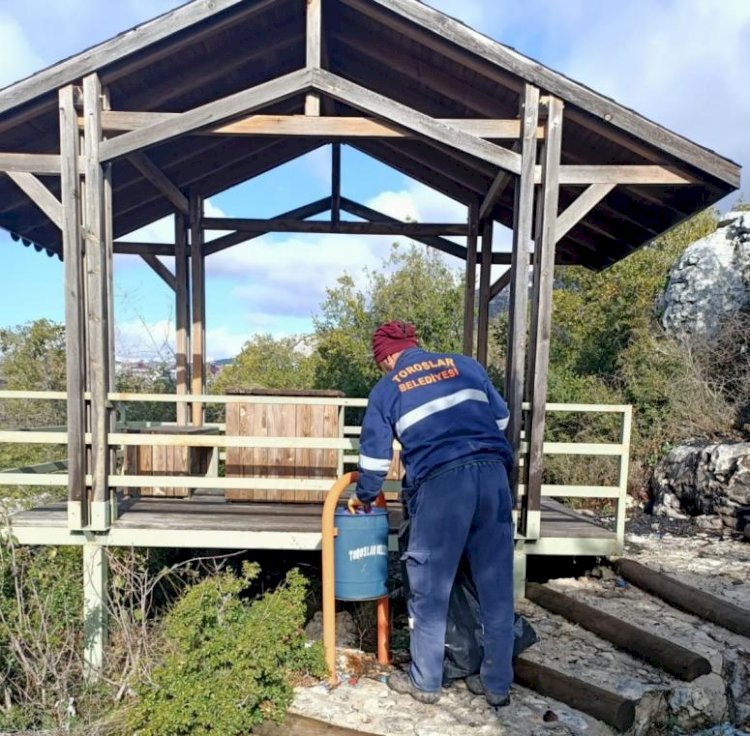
[{"x": 361, "y": 555}]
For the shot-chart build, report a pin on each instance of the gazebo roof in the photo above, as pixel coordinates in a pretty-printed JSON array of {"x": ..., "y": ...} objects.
[{"x": 399, "y": 49}]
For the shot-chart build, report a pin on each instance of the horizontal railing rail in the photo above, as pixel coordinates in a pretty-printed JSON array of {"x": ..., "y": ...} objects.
[{"x": 346, "y": 446}]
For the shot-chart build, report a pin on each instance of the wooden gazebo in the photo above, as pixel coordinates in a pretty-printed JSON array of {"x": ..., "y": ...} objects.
[{"x": 215, "y": 93}]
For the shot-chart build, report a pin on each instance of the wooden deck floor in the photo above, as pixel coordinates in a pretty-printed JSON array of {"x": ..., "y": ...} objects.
[{"x": 207, "y": 520}]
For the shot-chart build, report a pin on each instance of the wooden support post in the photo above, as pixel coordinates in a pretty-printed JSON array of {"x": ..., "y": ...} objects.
[
  {"x": 75, "y": 348},
  {"x": 544, "y": 271},
  {"x": 109, "y": 240},
  {"x": 523, "y": 222},
  {"x": 95, "y": 574},
  {"x": 336, "y": 183},
  {"x": 97, "y": 304},
  {"x": 198, "y": 332},
  {"x": 314, "y": 36},
  {"x": 182, "y": 315},
  {"x": 483, "y": 329},
  {"x": 471, "y": 279}
]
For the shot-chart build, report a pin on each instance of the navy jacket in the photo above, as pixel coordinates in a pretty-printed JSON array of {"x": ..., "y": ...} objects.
[{"x": 441, "y": 407}]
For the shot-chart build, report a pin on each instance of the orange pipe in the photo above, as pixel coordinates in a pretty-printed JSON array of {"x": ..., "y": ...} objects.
[{"x": 329, "y": 532}]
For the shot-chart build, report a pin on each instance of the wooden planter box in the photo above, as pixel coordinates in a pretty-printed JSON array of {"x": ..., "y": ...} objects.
[
  {"x": 160, "y": 460},
  {"x": 282, "y": 419}
]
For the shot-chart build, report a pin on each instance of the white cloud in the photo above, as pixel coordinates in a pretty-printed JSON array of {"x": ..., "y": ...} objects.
[
  {"x": 18, "y": 58},
  {"x": 140, "y": 340},
  {"x": 686, "y": 68},
  {"x": 286, "y": 279}
]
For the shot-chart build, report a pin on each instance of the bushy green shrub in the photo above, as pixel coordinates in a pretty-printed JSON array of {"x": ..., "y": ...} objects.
[
  {"x": 40, "y": 633},
  {"x": 228, "y": 662}
]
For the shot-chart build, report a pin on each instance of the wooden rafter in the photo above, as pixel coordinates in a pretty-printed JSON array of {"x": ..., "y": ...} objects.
[
  {"x": 209, "y": 114},
  {"x": 129, "y": 46},
  {"x": 427, "y": 127},
  {"x": 447, "y": 36}
]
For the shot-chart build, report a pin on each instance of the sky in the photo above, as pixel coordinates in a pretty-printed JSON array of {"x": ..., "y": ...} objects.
[{"x": 682, "y": 63}]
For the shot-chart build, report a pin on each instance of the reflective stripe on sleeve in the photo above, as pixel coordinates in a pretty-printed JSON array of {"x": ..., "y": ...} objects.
[
  {"x": 502, "y": 424},
  {"x": 374, "y": 463},
  {"x": 436, "y": 405}
]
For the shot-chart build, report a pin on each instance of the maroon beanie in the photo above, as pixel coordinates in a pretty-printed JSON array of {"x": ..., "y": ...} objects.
[{"x": 391, "y": 338}]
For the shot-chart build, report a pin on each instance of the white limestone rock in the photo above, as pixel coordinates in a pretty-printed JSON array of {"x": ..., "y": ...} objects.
[
  {"x": 711, "y": 281},
  {"x": 703, "y": 478}
]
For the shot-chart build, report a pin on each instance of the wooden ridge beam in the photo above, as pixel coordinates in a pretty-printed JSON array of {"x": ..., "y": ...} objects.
[
  {"x": 367, "y": 213},
  {"x": 343, "y": 126},
  {"x": 160, "y": 181},
  {"x": 39, "y": 194},
  {"x": 347, "y": 228},
  {"x": 209, "y": 114},
  {"x": 160, "y": 270},
  {"x": 427, "y": 127}
]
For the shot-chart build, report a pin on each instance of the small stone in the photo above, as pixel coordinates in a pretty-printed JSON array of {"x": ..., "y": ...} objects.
[{"x": 550, "y": 716}]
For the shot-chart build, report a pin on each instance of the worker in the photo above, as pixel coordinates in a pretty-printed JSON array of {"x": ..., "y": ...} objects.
[{"x": 450, "y": 422}]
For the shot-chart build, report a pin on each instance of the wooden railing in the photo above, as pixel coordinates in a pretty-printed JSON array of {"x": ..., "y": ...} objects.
[{"x": 347, "y": 446}]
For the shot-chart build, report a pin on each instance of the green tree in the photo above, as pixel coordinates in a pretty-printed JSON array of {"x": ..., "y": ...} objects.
[
  {"x": 413, "y": 284},
  {"x": 266, "y": 362},
  {"x": 32, "y": 358}
]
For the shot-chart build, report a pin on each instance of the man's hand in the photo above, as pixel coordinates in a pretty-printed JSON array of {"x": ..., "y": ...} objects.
[{"x": 354, "y": 503}]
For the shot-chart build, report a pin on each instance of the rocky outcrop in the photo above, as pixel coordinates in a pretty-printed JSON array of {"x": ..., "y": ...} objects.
[
  {"x": 704, "y": 479},
  {"x": 711, "y": 281}
]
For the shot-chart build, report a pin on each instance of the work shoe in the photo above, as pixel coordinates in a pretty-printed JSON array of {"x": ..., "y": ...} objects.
[
  {"x": 496, "y": 700},
  {"x": 401, "y": 682}
]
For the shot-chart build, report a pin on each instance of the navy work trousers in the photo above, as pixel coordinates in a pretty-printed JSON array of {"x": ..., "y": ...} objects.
[{"x": 463, "y": 507}]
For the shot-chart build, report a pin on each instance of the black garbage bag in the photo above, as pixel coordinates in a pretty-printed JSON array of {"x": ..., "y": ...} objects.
[{"x": 464, "y": 638}]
